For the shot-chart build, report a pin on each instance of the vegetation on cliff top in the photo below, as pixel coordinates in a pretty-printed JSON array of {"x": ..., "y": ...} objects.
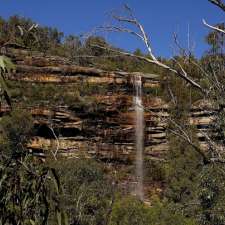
[{"x": 79, "y": 191}]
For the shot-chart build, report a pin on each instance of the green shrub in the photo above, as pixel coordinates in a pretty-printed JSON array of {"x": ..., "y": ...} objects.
[
  {"x": 155, "y": 171},
  {"x": 87, "y": 194},
  {"x": 16, "y": 130},
  {"x": 130, "y": 211}
]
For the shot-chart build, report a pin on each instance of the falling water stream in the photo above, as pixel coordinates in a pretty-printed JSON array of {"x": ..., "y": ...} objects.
[{"x": 139, "y": 136}]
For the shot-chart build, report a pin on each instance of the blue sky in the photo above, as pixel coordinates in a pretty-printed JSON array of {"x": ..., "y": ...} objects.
[{"x": 160, "y": 19}]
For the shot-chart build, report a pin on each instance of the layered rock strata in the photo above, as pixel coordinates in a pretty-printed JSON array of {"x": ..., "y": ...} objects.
[{"x": 106, "y": 133}]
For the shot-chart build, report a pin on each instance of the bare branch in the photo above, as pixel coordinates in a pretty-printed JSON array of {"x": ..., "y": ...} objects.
[
  {"x": 158, "y": 63},
  {"x": 195, "y": 147},
  {"x": 21, "y": 30},
  {"x": 213, "y": 27},
  {"x": 218, "y": 3},
  {"x": 121, "y": 29},
  {"x": 185, "y": 136},
  {"x": 123, "y": 19},
  {"x": 131, "y": 20},
  {"x": 57, "y": 140},
  {"x": 174, "y": 100},
  {"x": 137, "y": 29},
  {"x": 34, "y": 26},
  {"x": 181, "y": 67}
]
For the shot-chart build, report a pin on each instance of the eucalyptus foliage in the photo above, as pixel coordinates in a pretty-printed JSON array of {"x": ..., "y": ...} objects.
[{"x": 6, "y": 66}]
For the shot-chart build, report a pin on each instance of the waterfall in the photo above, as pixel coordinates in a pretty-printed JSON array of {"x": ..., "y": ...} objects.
[{"x": 139, "y": 136}]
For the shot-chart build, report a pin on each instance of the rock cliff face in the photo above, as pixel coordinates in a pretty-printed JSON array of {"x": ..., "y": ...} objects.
[{"x": 107, "y": 130}]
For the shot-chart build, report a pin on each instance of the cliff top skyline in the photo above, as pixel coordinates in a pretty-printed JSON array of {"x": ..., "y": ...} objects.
[{"x": 160, "y": 19}]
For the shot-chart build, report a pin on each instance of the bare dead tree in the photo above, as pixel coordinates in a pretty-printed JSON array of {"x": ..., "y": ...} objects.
[
  {"x": 129, "y": 24},
  {"x": 139, "y": 32},
  {"x": 215, "y": 94}
]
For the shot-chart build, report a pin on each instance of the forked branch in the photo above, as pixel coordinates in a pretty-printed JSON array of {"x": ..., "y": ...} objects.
[{"x": 139, "y": 31}]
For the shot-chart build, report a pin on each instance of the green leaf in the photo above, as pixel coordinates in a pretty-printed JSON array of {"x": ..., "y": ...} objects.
[
  {"x": 32, "y": 222},
  {"x": 56, "y": 181},
  {"x": 3, "y": 179},
  {"x": 59, "y": 218},
  {"x": 62, "y": 218},
  {"x": 6, "y": 64},
  {"x": 61, "y": 215},
  {"x": 3, "y": 83}
]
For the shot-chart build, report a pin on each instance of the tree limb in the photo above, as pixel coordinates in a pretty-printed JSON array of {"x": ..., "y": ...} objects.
[
  {"x": 218, "y": 3},
  {"x": 131, "y": 20},
  {"x": 213, "y": 27},
  {"x": 184, "y": 76}
]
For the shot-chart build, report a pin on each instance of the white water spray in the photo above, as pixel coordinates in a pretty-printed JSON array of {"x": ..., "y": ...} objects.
[{"x": 139, "y": 135}]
